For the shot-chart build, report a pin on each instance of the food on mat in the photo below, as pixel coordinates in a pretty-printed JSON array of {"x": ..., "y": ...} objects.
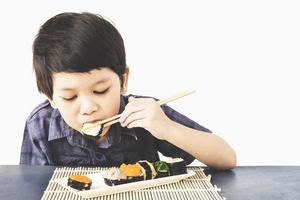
[
  {"x": 79, "y": 182},
  {"x": 144, "y": 170}
]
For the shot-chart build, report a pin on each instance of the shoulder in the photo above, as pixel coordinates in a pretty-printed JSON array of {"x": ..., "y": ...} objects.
[
  {"x": 43, "y": 110},
  {"x": 46, "y": 123},
  {"x": 38, "y": 122}
]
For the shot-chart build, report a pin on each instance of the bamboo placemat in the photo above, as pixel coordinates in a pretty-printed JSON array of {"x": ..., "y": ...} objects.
[{"x": 195, "y": 187}]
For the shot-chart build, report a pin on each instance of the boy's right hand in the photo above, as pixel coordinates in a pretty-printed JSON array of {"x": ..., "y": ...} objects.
[{"x": 145, "y": 113}]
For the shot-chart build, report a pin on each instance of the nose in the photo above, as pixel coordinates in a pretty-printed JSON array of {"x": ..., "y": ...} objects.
[{"x": 88, "y": 106}]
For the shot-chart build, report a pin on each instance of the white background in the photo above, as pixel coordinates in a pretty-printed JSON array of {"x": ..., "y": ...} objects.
[{"x": 241, "y": 57}]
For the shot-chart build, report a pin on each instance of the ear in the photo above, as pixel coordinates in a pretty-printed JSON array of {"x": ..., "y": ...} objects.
[{"x": 124, "y": 85}]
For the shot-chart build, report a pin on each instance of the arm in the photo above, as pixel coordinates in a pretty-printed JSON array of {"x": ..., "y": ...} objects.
[{"x": 207, "y": 148}]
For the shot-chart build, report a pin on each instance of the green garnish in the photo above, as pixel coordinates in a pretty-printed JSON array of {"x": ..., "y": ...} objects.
[{"x": 161, "y": 166}]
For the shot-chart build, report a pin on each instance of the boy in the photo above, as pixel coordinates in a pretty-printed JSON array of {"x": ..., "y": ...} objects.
[{"x": 79, "y": 63}]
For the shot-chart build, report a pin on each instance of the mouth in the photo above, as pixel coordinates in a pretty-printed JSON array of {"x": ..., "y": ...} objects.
[{"x": 90, "y": 122}]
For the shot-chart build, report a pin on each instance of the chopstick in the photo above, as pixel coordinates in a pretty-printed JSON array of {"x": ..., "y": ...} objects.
[{"x": 115, "y": 119}]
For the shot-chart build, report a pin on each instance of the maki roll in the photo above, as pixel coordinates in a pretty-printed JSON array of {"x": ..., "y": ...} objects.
[
  {"x": 144, "y": 170},
  {"x": 126, "y": 173},
  {"x": 133, "y": 172},
  {"x": 162, "y": 169},
  {"x": 92, "y": 130},
  {"x": 79, "y": 182},
  {"x": 174, "y": 166},
  {"x": 114, "y": 176},
  {"x": 177, "y": 166},
  {"x": 148, "y": 169}
]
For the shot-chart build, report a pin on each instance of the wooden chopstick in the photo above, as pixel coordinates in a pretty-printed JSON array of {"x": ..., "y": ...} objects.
[
  {"x": 174, "y": 97},
  {"x": 115, "y": 119}
]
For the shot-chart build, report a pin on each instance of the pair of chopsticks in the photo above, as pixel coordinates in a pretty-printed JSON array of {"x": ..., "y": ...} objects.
[{"x": 115, "y": 119}]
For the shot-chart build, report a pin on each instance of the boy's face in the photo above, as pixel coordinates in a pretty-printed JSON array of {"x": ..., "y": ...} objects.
[{"x": 88, "y": 97}]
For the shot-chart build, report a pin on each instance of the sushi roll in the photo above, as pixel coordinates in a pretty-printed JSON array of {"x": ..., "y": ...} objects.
[
  {"x": 162, "y": 169},
  {"x": 92, "y": 130},
  {"x": 126, "y": 173},
  {"x": 148, "y": 169},
  {"x": 177, "y": 166},
  {"x": 133, "y": 172},
  {"x": 114, "y": 176},
  {"x": 144, "y": 170},
  {"x": 79, "y": 182}
]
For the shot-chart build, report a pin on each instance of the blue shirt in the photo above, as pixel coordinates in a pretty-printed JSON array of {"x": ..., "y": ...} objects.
[{"x": 48, "y": 140}]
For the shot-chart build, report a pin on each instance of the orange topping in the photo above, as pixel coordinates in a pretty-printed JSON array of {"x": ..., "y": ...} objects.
[
  {"x": 80, "y": 178},
  {"x": 131, "y": 169}
]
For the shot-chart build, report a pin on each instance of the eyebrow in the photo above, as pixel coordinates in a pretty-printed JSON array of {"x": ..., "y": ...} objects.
[{"x": 98, "y": 82}]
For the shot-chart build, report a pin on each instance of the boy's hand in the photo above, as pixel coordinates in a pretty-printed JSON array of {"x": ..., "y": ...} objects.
[{"x": 145, "y": 113}]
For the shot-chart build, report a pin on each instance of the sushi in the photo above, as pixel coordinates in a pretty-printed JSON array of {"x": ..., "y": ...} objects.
[
  {"x": 126, "y": 173},
  {"x": 144, "y": 170},
  {"x": 177, "y": 166},
  {"x": 92, "y": 130},
  {"x": 133, "y": 172},
  {"x": 114, "y": 176},
  {"x": 171, "y": 167},
  {"x": 148, "y": 169},
  {"x": 79, "y": 182},
  {"x": 162, "y": 169}
]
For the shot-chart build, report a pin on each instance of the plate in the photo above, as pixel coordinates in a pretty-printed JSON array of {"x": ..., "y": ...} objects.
[{"x": 99, "y": 188}]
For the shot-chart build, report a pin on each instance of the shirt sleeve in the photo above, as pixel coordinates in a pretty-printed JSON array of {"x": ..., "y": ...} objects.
[
  {"x": 170, "y": 150},
  {"x": 34, "y": 146}
]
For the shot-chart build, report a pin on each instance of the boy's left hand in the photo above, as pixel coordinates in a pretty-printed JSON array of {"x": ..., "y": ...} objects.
[{"x": 145, "y": 113}]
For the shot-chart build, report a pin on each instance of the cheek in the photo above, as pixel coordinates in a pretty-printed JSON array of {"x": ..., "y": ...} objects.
[
  {"x": 69, "y": 117},
  {"x": 112, "y": 105}
]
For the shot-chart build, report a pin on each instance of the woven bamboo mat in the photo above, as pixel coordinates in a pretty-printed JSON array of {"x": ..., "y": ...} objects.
[{"x": 195, "y": 187}]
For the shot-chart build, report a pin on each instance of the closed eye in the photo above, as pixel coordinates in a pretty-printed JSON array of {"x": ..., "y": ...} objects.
[
  {"x": 69, "y": 99},
  {"x": 101, "y": 92}
]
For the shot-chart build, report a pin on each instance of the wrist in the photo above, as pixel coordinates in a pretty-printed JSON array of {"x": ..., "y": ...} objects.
[{"x": 167, "y": 130}]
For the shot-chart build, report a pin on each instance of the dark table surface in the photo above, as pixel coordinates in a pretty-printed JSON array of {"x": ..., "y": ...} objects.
[{"x": 242, "y": 183}]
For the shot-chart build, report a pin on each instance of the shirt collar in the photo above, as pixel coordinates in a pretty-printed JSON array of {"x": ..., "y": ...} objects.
[{"x": 59, "y": 129}]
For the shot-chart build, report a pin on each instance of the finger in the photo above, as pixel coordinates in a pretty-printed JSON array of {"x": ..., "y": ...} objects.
[
  {"x": 133, "y": 117},
  {"x": 145, "y": 100},
  {"x": 130, "y": 109},
  {"x": 137, "y": 123},
  {"x": 136, "y": 105},
  {"x": 140, "y": 100}
]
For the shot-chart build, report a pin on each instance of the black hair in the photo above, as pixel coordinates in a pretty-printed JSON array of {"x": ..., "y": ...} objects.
[{"x": 76, "y": 42}]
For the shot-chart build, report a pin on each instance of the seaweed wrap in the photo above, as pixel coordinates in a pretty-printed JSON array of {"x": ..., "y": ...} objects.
[
  {"x": 177, "y": 166},
  {"x": 79, "y": 182}
]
